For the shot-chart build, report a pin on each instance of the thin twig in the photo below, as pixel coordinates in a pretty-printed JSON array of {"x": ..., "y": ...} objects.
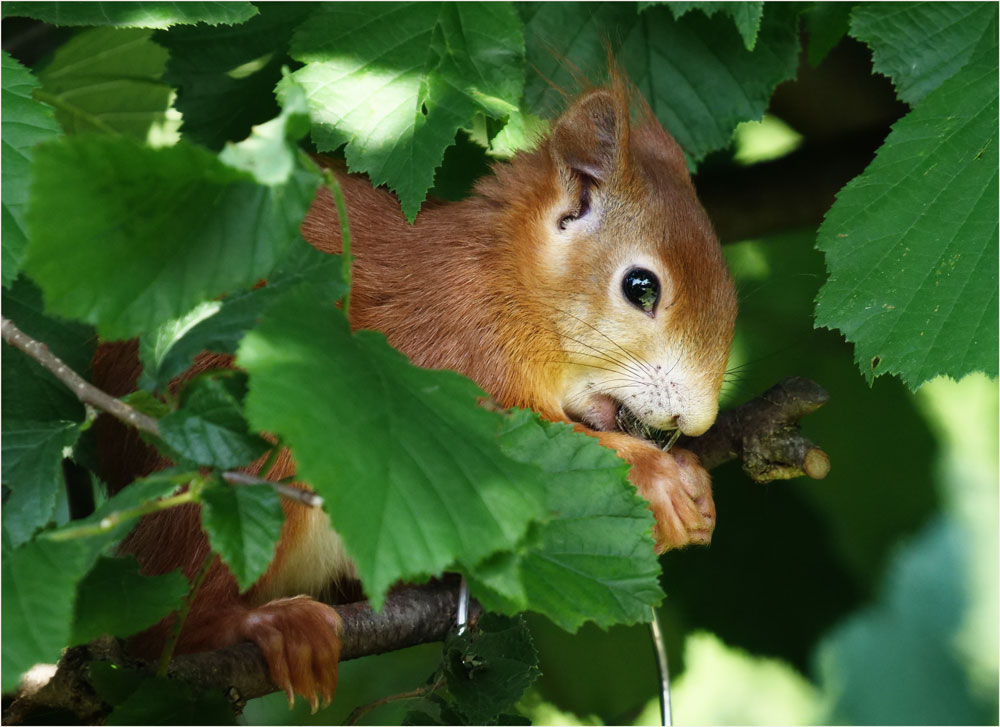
[
  {"x": 113, "y": 519},
  {"x": 364, "y": 709},
  {"x": 182, "y": 614},
  {"x": 660, "y": 647},
  {"x": 287, "y": 491},
  {"x": 84, "y": 391}
]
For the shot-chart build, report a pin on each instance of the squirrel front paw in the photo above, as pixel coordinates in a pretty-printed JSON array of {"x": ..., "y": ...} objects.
[
  {"x": 679, "y": 491},
  {"x": 678, "y": 488}
]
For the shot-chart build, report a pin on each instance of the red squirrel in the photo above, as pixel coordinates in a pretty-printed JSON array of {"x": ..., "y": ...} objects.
[{"x": 582, "y": 279}]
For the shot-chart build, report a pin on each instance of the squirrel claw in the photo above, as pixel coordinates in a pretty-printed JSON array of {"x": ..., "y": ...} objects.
[{"x": 300, "y": 639}]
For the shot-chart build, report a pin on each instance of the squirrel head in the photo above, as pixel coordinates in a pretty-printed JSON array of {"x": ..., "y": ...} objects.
[{"x": 620, "y": 262}]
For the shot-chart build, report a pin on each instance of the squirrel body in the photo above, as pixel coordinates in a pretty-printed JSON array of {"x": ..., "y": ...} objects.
[{"x": 581, "y": 280}]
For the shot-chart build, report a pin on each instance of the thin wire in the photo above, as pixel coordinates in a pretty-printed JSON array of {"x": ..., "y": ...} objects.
[
  {"x": 666, "y": 715},
  {"x": 462, "y": 618}
]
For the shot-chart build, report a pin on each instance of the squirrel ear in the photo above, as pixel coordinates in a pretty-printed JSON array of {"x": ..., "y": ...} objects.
[{"x": 589, "y": 136}]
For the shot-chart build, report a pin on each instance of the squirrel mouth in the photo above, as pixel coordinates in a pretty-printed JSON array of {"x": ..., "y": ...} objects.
[{"x": 606, "y": 414}]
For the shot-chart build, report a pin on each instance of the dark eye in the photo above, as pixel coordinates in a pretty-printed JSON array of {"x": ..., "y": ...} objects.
[{"x": 641, "y": 289}]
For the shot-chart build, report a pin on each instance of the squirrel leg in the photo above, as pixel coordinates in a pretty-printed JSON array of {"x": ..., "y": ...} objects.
[
  {"x": 299, "y": 638},
  {"x": 678, "y": 488}
]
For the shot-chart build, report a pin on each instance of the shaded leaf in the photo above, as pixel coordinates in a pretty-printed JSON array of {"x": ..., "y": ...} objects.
[
  {"x": 32, "y": 468},
  {"x": 920, "y": 45},
  {"x": 826, "y": 24},
  {"x": 26, "y": 122},
  {"x": 746, "y": 15},
  {"x": 220, "y": 325},
  {"x": 209, "y": 428},
  {"x": 225, "y": 76},
  {"x": 243, "y": 525},
  {"x": 490, "y": 667},
  {"x": 163, "y": 701},
  {"x": 39, "y": 590},
  {"x": 114, "y": 599},
  {"x": 107, "y": 81},
  {"x": 695, "y": 72},
  {"x": 177, "y": 227}
]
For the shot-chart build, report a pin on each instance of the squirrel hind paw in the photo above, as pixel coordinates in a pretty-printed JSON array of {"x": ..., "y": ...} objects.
[{"x": 300, "y": 639}]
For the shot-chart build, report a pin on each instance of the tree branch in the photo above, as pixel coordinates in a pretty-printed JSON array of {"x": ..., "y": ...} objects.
[
  {"x": 412, "y": 615},
  {"x": 764, "y": 434},
  {"x": 84, "y": 390}
]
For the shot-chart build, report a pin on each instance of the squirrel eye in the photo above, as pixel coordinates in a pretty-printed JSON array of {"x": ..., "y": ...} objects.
[{"x": 641, "y": 288}]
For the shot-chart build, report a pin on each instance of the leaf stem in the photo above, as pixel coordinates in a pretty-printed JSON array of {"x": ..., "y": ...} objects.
[
  {"x": 113, "y": 519},
  {"x": 182, "y": 614},
  {"x": 57, "y": 101},
  {"x": 84, "y": 391},
  {"x": 306, "y": 497},
  {"x": 364, "y": 709}
]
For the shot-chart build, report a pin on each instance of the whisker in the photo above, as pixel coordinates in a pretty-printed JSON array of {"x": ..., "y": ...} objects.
[
  {"x": 641, "y": 362},
  {"x": 606, "y": 355}
]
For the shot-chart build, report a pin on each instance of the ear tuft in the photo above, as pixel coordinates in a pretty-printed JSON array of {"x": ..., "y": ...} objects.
[{"x": 590, "y": 135}]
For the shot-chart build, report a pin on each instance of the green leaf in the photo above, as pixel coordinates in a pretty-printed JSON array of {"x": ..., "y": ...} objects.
[
  {"x": 32, "y": 468},
  {"x": 576, "y": 32},
  {"x": 209, "y": 429},
  {"x": 25, "y": 123},
  {"x": 243, "y": 525},
  {"x": 220, "y": 325},
  {"x": 225, "y": 76},
  {"x": 408, "y": 465},
  {"x": 746, "y": 15},
  {"x": 911, "y": 244},
  {"x": 41, "y": 416},
  {"x": 163, "y": 701},
  {"x": 700, "y": 81},
  {"x": 107, "y": 81},
  {"x": 490, "y": 667},
  {"x": 39, "y": 590},
  {"x": 594, "y": 560},
  {"x": 696, "y": 72},
  {"x": 114, "y": 599},
  {"x": 74, "y": 344},
  {"x": 397, "y": 99},
  {"x": 176, "y": 227},
  {"x": 111, "y": 515},
  {"x": 133, "y": 14},
  {"x": 921, "y": 45},
  {"x": 113, "y": 683},
  {"x": 826, "y": 23},
  {"x": 40, "y": 578}
]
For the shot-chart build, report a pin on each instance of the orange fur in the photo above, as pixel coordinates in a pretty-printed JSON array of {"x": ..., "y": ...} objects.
[{"x": 519, "y": 288}]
